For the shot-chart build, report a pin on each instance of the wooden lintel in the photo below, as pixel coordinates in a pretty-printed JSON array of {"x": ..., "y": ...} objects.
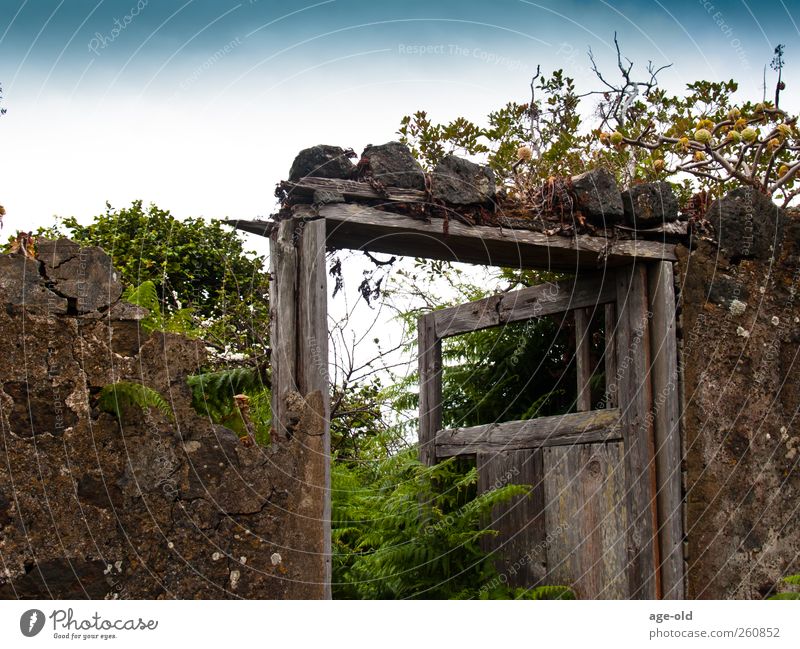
[
  {"x": 358, "y": 227},
  {"x": 524, "y": 304},
  {"x": 558, "y": 430}
]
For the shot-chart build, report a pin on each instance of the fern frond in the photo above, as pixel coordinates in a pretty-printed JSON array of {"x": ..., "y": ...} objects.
[
  {"x": 794, "y": 580},
  {"x": 213, "y": 392},
  {"x": 115, "y": 397},
  {"x": 780, "y": 596},
  {"x": 550, "y": 592}
]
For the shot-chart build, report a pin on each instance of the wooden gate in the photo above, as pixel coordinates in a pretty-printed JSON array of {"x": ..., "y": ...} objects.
[{"x": 604, "y": 513}]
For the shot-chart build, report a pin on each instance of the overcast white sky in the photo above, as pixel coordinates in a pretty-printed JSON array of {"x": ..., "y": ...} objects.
[{"x": 200, "y": 106}]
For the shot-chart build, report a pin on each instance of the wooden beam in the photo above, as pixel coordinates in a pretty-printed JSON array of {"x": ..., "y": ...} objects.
[
  {"x": 353, "y": 189},
  {"x": 558, "y": 430},
  {"x": 359, "y": 227},
  {"x": 666, "y": 407},
  {"x": 635, "y": 399},
  {"x": 583, "y": 359},
  {"x": 429, "y": 348},
  {"x": 527, "y": 303}
]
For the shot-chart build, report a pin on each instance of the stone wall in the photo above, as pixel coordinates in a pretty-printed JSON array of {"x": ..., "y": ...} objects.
[
  {"x": 740, "y": 352},
  {"x": 152, "y": 508}
]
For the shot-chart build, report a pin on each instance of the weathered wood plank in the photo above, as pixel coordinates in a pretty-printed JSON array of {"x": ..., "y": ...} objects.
[
  {"x": 610, "y": 355},
  {"x": 585, "y": 519},
  {"x": 520, "y": 546},
  {"x": 429, "y": 348},
  {"x": 582, "y": 359},
  {"x": 353, "y": 189},
  {"x": 572, "y": 428},
  {"x": 312, "y": 380},
  {"x": 635, "y": 398},
  {"x": 524, "y": 304},
  {"x": 666, "y": 425},
  {"x": 283, "y": 323},
  {"x": 359, "y": 227}
]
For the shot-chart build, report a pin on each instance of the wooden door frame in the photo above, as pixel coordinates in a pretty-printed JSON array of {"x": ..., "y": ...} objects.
[
  {"x": 643, "y": 363},
  {"x": 301, "y": 233}
]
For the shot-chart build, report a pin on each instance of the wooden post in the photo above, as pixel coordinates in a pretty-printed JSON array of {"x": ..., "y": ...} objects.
[
  {"x": 283, "y": 321},
  {"x": 635, "y": 399},
  {"x": 666, "y": 422},
  {"x": 582, "y": 359},
  {"x": 299, "y": 337},
  {"x": 430, "y": 387},
  {"x": 610, "y": 356}
]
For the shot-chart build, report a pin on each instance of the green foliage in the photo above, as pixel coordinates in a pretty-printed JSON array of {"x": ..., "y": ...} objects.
[
  {"x": 404, "y": 530},
  {"x": 213, "y": 396},
  {"x": 116, "y": 397},
  {"x": 792, "y": 580},
  {"x": 145, "y": 295},
  {"x": 550, "y": 125},
  {"x": 193, "y": 264}
]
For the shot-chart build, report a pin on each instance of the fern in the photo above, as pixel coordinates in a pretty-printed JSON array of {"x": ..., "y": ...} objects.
[
  {"x": 405, "y": 530},
  {"x": 548, "y": 592},
  {"x": 792, "y": 580},
  {"x": 146, "y": 296},
  {"x": 115, "y": 397},
  {"x": 213, "y": 392}
]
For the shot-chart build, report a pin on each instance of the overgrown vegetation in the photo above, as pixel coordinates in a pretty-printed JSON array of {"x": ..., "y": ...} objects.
[{"x": 115, "y": 398}]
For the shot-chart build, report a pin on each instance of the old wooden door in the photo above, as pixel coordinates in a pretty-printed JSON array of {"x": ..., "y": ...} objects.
[{"x": 592, "y": 518}]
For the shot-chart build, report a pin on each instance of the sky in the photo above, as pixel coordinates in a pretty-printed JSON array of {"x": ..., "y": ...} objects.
[{"x": 200, "y": 106}]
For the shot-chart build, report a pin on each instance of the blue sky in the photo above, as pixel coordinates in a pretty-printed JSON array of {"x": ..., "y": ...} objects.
[{"x": 200, "y": 106}]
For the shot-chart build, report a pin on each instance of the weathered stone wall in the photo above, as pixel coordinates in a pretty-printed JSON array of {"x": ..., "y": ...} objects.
[
  {"x": 150, "y": 508},
  {"x": 740, "y": 339}
]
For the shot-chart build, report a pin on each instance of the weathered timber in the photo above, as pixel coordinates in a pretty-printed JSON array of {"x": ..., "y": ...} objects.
[
  {"x": 610, "y": 356},
  {"x": 527, "y": 303},
  {"x": 585, "y": 518},
  {"x": 635, "y": 399},
  {"x": 558, "y": 430},
  {"x": 519, "y": 547},
  {"x": 666, "y": 426},
  {"x": 366, "y": 228},
  {"x": 312, "y": 375},
  {"x": 582, "y": 359},
  {"x": 283, "y": 321},
  {"x": 430, "y": 388},
  {"x": 305, "y": 187}
]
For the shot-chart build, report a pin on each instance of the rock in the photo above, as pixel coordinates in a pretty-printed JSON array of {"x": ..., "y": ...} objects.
[
  {"x": 84, "y": 276},
  {"x": 748, "y": 224},
  {"x": 598, "y": 197},
  {"x": 649, "y": 204},
  {"x": 22, "y": 286},
  {"x": 393, "y": 165},
  {"x": 322, "y": 161},
  {"x": 461, "y": 182}
]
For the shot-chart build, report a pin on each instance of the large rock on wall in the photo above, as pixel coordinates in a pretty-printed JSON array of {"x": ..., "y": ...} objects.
[
  {"x": 150, "y": 508},
  {"x": 740, "y": 336}
]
